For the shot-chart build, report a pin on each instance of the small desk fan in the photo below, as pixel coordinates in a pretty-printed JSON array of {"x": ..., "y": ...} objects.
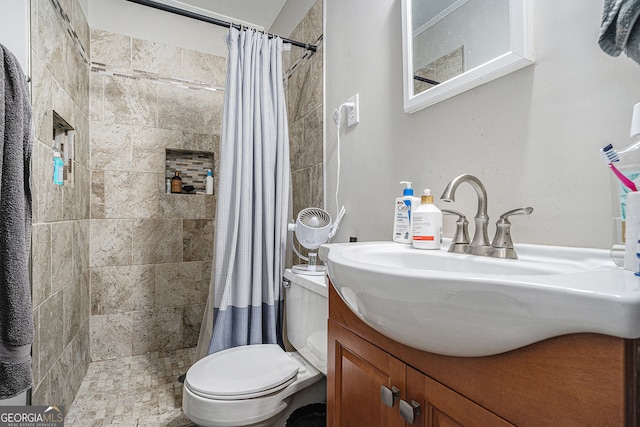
[{"x": 313, "y": 228}]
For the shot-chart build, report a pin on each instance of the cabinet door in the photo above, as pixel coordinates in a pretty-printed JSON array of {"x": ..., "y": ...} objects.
[
  {"x": 357, "y": 370},
  {"x": 442, "y": 407}
]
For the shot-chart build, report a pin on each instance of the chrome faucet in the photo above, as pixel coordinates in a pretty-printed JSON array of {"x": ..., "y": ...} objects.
[
  {"x": 480, "y": 243},
  {"x": 502, "y": 246}
]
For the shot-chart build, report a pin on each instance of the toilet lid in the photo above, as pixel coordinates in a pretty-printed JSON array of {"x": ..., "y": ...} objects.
[{"x": 240, "y": 372}]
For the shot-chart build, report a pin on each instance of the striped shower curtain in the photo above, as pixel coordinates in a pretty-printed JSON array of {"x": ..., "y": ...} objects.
[{"x": 253, "y": 196}]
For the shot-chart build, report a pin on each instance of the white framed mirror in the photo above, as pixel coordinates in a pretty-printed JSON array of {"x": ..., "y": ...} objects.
[{"x": 451, "y": 46}]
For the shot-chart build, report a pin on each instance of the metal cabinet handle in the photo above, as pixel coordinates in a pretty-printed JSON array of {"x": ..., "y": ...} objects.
[
  {"x": 389, "y": 396},
  {"x": 409, "y": 411}
]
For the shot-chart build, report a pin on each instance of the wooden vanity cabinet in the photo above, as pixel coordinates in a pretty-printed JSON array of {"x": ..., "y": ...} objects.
[{"x": 573, "y": 380}]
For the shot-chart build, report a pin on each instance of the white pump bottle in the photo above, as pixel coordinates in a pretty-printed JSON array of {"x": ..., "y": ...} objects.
[
  {"x": 403, "y": 215},
  {"x": 427, "y": 224}
]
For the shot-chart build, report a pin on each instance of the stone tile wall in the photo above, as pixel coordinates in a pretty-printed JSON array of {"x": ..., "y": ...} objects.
[
  {"x": 303, "y": 83},
  {"x": 151, "y": 252},
  {"x": 60, "y": 241}
]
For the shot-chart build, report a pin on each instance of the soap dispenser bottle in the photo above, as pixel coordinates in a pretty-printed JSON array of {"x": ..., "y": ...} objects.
[
  {"x": 427, "y": 224},
  {"x": 403, "y": 214}
]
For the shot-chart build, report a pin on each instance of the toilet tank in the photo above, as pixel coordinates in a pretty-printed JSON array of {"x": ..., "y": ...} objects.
[{"x": 307, "y": 310}]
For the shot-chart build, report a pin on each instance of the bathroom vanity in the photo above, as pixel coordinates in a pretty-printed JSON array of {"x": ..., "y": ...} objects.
[{"x": 581, "y": 379}]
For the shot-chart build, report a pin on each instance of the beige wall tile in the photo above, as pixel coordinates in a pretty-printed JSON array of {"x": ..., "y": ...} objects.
[
  {"x": 41, "y": 263},
  {"x": 42, "y": 102},
  {"x": 98, "y": 208},
  {"x": 192, "y": 320},
  {"x": 111, "y": 336},
  {"x": 96, "y": 96},
  {"x": 35, "y": 348},
  {"x": 204, "y": 67},
  {"x": 51, "y": 37},
  {"x": 130, "y": 101},
  {"x": 157, "y": 330},
  {"x": 182, "y": 108},
  {"x": 110, "y": 146},
  {"x": 61, "y": 254},
  {"x": 179, "y": 284},
  {"x": 71, "y": 312},
  {"x": 187, "y": 206},
  {"x": 81, "y": 247},
  {"x": 50, "y": 337},
  {"x": 157, "y": 241},
  {"x": 197, "y": 239},
  {"x": 132, "y": 194},
  {"x": 110, "y": 48},
  {"x": 213, "y": 113},
  {"x": 157, "y": 58},
  {"x": 149, "y": 145},
  {"x": 122, "y": 289},
  {"x": 111, "y": 242}
]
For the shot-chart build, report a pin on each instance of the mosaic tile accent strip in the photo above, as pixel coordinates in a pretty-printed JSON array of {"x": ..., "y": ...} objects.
[
  {"x": 133, "y": 391},
  {"x": 192, "y": 165},
  {"x": 146, "y": 75},
  {"x": 72, "y": 32}
]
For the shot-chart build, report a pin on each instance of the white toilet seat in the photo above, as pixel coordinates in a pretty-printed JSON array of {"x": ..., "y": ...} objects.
[{"x": 242, "y": 373}]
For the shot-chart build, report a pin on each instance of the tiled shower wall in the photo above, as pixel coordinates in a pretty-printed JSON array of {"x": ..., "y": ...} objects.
[
  {"x": 303, "y": 84},
  {"x": 151, "y": 252},
  {"x": 60, "y": 240}
]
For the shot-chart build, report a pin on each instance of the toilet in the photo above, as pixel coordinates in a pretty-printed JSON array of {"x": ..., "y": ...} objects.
[{"x": 251, "y": 385}]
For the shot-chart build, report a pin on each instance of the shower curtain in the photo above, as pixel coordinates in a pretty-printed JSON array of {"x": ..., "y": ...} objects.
[{"x": 253, "y": 202}]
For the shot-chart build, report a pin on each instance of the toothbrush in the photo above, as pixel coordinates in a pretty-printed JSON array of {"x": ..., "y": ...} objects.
[{"x": 610, "y": 155}]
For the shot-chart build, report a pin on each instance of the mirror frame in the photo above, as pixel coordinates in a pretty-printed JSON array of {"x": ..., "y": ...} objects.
[{"x": 520, "y": 55}]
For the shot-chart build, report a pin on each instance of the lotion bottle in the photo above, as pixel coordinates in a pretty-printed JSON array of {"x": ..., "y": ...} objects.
[
  {"x": 209, "y": 182},
  {"x": 403, "y": 214},
  {"x": 427, "y": 224}
]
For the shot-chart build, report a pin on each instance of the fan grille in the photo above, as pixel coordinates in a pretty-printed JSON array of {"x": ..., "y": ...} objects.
[{"x": 314, "y": 217}]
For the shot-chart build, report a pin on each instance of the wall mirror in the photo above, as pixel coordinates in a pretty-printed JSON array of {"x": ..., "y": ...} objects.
[{"x": 450, "y": 46}]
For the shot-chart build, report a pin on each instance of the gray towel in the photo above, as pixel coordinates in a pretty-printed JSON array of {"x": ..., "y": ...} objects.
[
  {"x": 620, "y": 29},
  {"x": 16, "y": 318}
]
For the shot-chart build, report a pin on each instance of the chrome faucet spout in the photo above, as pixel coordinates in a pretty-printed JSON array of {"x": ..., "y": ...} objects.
[{"x": 480, "y": 244}]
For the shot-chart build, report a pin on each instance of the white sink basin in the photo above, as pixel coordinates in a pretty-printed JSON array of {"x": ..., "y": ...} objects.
[{"x": 466, "y": 305}]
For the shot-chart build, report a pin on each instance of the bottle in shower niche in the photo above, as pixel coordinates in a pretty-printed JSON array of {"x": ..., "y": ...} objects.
[
  {"x": 209, "y": 182},
  {"x": 58, "y": 168},
  {"x": 176, "y": 183}
]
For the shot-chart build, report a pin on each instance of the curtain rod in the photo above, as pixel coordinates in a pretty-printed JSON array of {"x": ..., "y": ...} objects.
[{"x": 203, "y": 18}]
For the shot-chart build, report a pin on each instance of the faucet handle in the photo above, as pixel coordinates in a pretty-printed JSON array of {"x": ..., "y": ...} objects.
[
  {"x": 502, "y": 243},
  {"x": 461, "y": 237},
  {"x": 519, "y": 211}
]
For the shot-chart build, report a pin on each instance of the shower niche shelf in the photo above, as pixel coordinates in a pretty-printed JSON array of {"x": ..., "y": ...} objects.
[{"x": 192, "y": 165}]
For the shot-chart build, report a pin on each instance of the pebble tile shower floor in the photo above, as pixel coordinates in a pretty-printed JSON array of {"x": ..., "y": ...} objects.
[{"x": 133, "y": 391}]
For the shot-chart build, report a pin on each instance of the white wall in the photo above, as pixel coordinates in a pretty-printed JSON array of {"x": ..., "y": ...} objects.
[
  {"x": 532, "y": 137},
  {"x": 123, "y": 17},
  {"x": 14, "y": 29}
]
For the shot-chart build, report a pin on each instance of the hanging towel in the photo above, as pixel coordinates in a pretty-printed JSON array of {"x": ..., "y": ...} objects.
[
  {"x": 620, "y": 29},
  {"x": 16, "y": 318}
]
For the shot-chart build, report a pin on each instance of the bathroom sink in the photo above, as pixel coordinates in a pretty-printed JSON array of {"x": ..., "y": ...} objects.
[{"x": 466, "y": 305}]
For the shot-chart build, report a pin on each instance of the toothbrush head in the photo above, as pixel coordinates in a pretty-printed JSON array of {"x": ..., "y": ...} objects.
[{"x": 609, "y": 154}]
